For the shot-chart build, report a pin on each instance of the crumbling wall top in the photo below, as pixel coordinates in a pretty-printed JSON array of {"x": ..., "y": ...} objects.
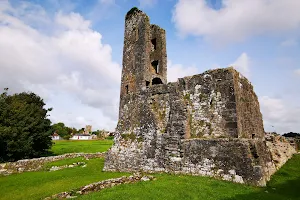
[{"x": 132, "y": 12}]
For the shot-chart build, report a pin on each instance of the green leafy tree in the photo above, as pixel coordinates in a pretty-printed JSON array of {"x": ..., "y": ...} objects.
[
  {"x": 24, "y": 128},
  {"x": 62, "y": 130},
  {"x": 292, "y": 134},
  {"x": 74, "y": 130}
]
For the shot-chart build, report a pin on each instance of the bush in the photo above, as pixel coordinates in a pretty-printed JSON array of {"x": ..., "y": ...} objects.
[{"x": 24, "y": 128}]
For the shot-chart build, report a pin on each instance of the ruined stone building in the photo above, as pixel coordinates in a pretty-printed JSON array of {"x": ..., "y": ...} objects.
[{"x": 207, "y": 124}]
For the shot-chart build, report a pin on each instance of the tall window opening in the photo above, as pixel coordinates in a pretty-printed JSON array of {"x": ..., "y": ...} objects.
[
  {"x": 147, "y": 83},
  {"x": 155, "y": 66},
  {"x": 156, "y": 81},
  {"x": 126, "y": 89},
  {"x": 153, "y": 42}
]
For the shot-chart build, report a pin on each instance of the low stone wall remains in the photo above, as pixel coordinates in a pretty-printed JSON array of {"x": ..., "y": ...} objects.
[
  {"x": 80, "y": 164},
  {"x": 101, "y": 185},
  {"x": 280, "y": 148},
  {"x": 37, "y": 164}
]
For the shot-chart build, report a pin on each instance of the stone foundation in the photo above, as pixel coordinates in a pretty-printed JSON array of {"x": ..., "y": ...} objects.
[
  {"x": 37, "y": 164},
  {"x": 243, "y": 161}
]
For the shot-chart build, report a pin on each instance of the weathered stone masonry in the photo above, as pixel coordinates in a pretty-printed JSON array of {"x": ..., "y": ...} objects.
[{"x": 206, "y": 124}]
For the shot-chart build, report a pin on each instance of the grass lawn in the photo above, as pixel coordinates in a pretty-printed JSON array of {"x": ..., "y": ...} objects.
[
  {"x": 285, "y": 185},
  {"x": 38, "y": 185},
  {"x": 86, "y": 146}
]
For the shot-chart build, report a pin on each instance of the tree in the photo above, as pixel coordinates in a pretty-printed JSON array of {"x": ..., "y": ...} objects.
[
  {"x": 24, "y": 128},
  {"x": 63, "y": 131},
  {"x": 296, "y": 137},
  {"x": 291, "y": 134}
]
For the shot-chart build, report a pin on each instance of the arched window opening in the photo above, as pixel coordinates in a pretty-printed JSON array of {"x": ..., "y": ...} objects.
[
  {"x": 155, "y": 66},
  {"x": 156, "y": 81}
]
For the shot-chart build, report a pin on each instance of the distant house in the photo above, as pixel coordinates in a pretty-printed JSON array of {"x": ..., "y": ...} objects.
[
  {"x": 55, "y": 136},
  {"x": 81, "y": 137}
]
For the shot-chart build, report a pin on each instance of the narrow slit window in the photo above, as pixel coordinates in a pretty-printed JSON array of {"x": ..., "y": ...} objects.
[
  {"x": 126, "y": 89},
  {"x": 147, "y": 83},
  {"x": 153, "y": 41},
  {"x": 155, "y": 65},
  {"x": 137, "y": 35}
]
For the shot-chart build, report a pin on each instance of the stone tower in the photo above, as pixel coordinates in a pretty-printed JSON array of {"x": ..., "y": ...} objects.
[
  {"x": 207, "y": 124},
  {"x": 144, "y": 57}
]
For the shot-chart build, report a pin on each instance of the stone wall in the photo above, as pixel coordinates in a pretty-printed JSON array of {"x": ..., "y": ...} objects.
[
  {"x": 37, "y": 164},
  {"x": 100, "y": 185},
  {"x": 238, "y": 160},
  {"x": 250, "y": 123},
  {"x": 280, "y": 148}
]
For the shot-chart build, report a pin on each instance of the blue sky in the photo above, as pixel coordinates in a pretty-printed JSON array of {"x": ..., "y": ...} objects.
[{"x": 70, "y": 52}]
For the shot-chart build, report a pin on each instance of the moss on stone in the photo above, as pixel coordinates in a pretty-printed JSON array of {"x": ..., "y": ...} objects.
[
  {"x": 186, "y": 97},
  {"x": 162, "y": 114},
  {"x": 130, "y": 136},
  {"x": 163, "y": 130},
  {"x": 131, "y": 12}
]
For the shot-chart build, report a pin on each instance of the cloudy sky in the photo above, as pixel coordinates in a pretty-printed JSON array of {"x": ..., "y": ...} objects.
[{"x": 70, "y": 52}]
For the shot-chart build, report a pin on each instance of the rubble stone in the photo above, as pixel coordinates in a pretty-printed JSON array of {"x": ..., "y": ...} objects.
[{"x": 37, "y": 164}]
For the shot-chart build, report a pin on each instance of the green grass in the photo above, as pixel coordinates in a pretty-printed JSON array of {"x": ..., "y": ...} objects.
[
  {"x": 285, "y": 185},
  {"x": 38, "y": 185},
  {"x": 85, "y": 146},
  {"x": 67, "y": 161}
]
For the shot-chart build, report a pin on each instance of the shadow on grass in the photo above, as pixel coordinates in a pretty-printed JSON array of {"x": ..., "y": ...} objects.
[
  {"x": 289, "y": 190},
  {"x": 47, "y": 154}
]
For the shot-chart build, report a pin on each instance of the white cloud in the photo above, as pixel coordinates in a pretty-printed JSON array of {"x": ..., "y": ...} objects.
[
  {"x": 279, "y": 116},
  {"x": 289, "y": 43},
  {"x": 72, "y": 21},
  {"x": 147, "y": 3},
  {"x": 70, "y": 59},
  {"x": 237, "y": 19},
  {"x": 242, "y": 65},
  {"x": 176, "y": 71}
]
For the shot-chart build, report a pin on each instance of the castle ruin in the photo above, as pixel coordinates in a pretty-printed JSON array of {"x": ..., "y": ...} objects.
[{"x": 207, "y": 124}]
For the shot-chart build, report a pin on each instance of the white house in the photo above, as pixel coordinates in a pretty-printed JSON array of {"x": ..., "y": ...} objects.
[
  {"x": 55, "y": 136},
  {"x": 81, "y": 137}
]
